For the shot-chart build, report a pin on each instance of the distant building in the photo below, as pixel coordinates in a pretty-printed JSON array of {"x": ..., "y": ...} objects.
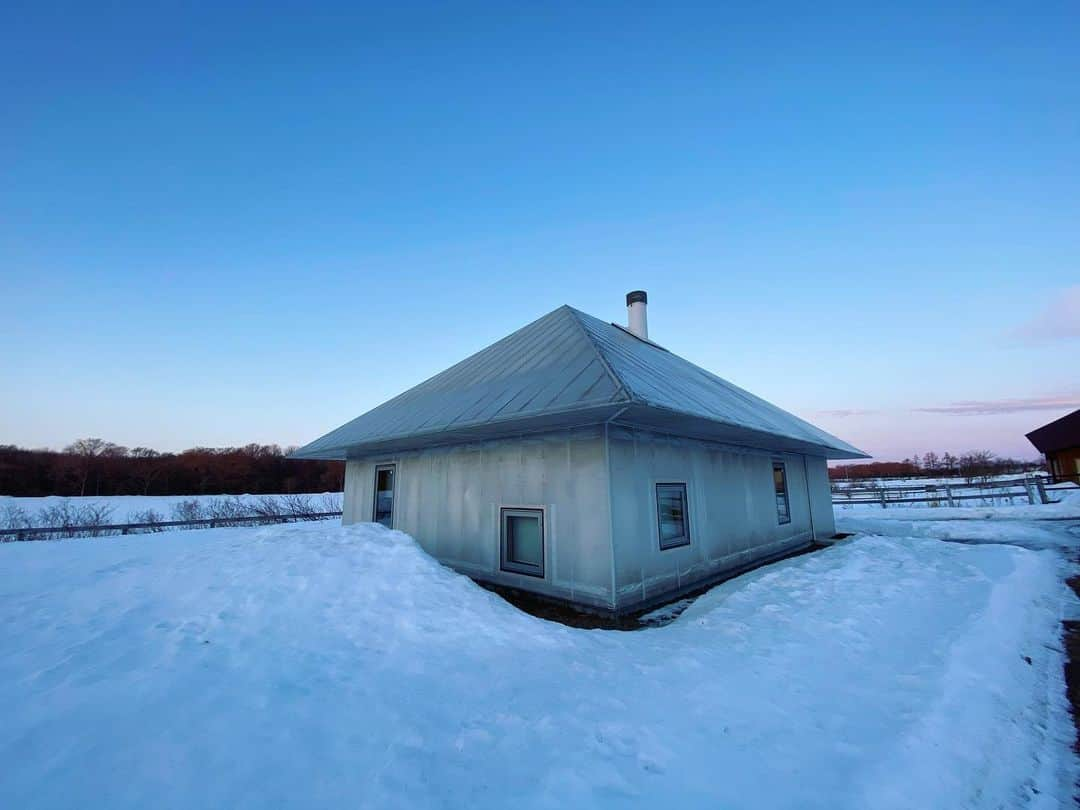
[
  {"x": 581, "y": 461},
  {"x": 1059, "y": 441}
]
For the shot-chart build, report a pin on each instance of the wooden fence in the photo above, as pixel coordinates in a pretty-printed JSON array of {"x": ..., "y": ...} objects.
[
  {"x": 106, "y": 530},
  {"x": 1033, "y": 489}
]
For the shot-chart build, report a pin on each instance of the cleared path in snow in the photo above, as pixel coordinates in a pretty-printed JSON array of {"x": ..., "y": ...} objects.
[{"x": 312, "y": 666}]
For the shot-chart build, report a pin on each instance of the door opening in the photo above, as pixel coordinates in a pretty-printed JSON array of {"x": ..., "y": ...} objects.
[{"x": 383, "y": 509}]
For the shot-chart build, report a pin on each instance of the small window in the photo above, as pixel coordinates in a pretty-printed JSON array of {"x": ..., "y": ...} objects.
[
  {"x": 783, "y": 508},
  {"x": 523, "y": 541},
  {"x": 383, "y": 508},
  {"x": 673, "y": 521}
]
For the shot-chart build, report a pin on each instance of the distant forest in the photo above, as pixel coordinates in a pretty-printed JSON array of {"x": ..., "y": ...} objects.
[
  {"x": 976, "y": 464},
  {"x": 97, "y": 467}
]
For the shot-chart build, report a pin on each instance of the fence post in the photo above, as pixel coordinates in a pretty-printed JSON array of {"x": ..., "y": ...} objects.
[
  {"x": 948, "y": 494},
  {"x": 1042, "y": 490},
  {"x": 882, "y": 494},
  {"x": 1030, "y": 490}
]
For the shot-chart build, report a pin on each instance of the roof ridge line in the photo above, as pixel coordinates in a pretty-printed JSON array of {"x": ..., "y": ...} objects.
[{"x": 615, "y": 378}]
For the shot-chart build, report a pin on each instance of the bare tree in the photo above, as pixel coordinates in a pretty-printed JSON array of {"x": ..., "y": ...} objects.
[
  {"x": 188, "y": 509},
  {"x": 300, "y": 505},
  {"x": 66, "y": 517},
  {"x": 14, "y": 517},
  {"x": 977, "y": 464},
  {"x": 148, "y": 516},
  {"x": 267, "y": 506},
  {"x": 228, "y": 507},
  {"x": 87, "y": 450},
  {"x": 330, "y": 502},
  {"x": 148, "y": 466}
]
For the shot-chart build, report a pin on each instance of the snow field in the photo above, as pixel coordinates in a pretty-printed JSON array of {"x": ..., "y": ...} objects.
[
  {"x": 1067, "y": 506},
  {"x": 309, "y": 665},
  {"x": 16, "y": 512}
]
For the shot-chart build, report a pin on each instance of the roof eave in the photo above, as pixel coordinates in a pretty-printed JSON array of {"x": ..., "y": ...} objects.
[
  {"x": 641, "y": 415},
  {"x": 678, "y": 423},
  {"x": 465, "y": 434}
]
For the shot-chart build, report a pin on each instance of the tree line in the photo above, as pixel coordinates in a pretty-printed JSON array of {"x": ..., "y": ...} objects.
[
  {"x": 975, "y": 464},
  {"x": 99, "y": 468}
]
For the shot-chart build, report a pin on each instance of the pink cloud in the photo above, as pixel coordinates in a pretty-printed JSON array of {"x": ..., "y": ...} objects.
[
  {"x": 975, "y": 407},
  {"x": 843, "y": 413}
]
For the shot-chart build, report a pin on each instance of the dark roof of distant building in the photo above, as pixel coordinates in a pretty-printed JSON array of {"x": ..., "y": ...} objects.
[{"x": 1058, "y": 435}]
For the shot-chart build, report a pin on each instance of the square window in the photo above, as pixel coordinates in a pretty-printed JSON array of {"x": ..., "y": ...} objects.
[
  {"x": 783, "y": 507},
  {"x": 522, "y": 546},
  {"x": 672, "y": 515}
]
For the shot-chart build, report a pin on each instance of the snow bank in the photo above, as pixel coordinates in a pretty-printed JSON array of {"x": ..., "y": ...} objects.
[
  {"x": 314, "y": 666},
  {"x": 1029, "y": 534}
]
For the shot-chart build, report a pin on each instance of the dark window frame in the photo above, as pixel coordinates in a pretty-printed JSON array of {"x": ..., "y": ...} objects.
[
  {"x": 784, "y": 517},
  {"x": 684, "y": 538},
  {"x": 375, "y": 494},
  {"x": 513, "y": 566}
]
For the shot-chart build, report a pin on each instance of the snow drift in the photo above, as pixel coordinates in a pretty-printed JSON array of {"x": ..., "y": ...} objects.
[{"x": 315, "y": 666}]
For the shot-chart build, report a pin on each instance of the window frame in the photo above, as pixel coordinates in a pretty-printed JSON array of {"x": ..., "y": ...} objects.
[
  {"x": 392, "y": 466},
  {"x": 684, "y": 539},
  {"x": 513, "y": 566},
  {"x": 781, "y": 520}
]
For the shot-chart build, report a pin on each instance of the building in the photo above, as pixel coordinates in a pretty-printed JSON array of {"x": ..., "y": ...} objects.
[
  {"x": 1059, "y": 441},
  {"x": 579, "y": 460}
]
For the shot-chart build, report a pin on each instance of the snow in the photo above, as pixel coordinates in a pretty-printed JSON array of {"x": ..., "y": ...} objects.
[
  {"x": 1067, "y": 506},
  {"x": 312, "y": 665},
  {"x": 125, "y": 508},
  {"x": 1029, "y": 534},
  {"x": 922, "y": 481}
]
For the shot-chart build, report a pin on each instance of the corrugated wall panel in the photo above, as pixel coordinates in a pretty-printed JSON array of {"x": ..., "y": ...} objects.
[
  {"x": 449, "y": 498},
  {"x": 732, "y": 511},
  {"x": 820, "y": 494}
]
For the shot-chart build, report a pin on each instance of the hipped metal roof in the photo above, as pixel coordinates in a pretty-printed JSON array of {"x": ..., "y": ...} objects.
[
  {"x": 570, "y": 369},
  {"x": 1061, "y": 434}
]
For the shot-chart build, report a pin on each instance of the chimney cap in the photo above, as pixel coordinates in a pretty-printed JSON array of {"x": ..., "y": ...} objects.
[{"x": 637, "y": 297}]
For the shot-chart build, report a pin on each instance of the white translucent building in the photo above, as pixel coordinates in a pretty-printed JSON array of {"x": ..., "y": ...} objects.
[{"x": 579, "y": 460}]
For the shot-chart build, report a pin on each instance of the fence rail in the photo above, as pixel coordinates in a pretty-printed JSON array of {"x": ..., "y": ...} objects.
[
  {"x": 1032, "y": 488},
  {"x": 106, "y": 530}
]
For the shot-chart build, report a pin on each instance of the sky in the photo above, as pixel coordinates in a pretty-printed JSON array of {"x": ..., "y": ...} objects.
[{"x": 223, "y": 224}]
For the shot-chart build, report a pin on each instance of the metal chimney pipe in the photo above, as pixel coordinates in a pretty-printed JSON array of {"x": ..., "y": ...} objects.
[{"x": 636, "y": 322}]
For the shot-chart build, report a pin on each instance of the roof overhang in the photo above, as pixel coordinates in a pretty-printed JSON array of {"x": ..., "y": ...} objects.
[
  {"x": 661, "y": 420},
  {"x": 641, "y": 416},
  {"x": 1061, "y": 434},
  {"x": 464, "y": 434}
]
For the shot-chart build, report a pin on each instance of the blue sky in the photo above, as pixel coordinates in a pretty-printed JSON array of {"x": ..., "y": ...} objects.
[{"x": 224, "y": 225}]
